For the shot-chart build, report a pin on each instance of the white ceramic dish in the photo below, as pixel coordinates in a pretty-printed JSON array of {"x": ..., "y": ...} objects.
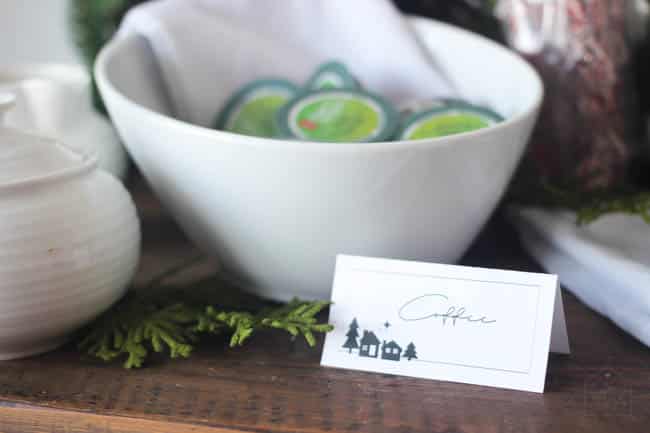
[
  {"x": 606, "y": 263},
  {"x": 277, "y": 212},
  {"x": 69, "y": 241},
  {"x": 54, "y": 100}
]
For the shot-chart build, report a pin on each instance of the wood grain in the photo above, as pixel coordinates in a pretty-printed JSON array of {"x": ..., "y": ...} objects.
[
  {"x": 275, "y": 385},
  {"x": 12, "y": 420}
]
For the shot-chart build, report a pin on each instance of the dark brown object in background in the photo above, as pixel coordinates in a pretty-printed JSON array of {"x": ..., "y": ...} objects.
[
  {"x": 273, "y": 385},
  {"x": 589, "y": 128}
]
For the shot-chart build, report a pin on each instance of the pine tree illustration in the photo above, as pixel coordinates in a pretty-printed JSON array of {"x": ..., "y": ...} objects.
[
  {"x": 410, "y": 352},
  {"x": 351, "y": 342}
]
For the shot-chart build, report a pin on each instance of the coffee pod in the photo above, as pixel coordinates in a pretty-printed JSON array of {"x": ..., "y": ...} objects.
[
  {"x": 447, "y": 117},
  {"x": 340, "y": 115},
  {"x": 252, "y": 109},
  {"x": 332, "y": 75}
]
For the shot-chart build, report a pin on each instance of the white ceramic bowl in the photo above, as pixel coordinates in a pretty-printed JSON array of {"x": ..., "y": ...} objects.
[{"x": 276, "y": 212}]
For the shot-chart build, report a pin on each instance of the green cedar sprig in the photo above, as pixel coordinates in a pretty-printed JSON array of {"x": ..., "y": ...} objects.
[
  {"x": 297, "y": 318},
  {"x": 633, "y": 204},
  {"x": 590, "y": 206},
  {"x": 134, "y": 326},
  {"x": 138, "y": 325}
]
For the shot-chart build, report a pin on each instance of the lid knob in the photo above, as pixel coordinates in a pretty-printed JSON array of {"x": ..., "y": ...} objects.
[{"x": 7, "y": 101}]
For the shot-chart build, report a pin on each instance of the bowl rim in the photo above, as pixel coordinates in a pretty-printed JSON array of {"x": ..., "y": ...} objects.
[{"x": 107, "y": 88}]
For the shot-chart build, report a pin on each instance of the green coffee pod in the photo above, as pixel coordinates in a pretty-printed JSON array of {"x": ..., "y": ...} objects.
[
  {"x": 332, "y": 75},
  {"x": 453, "y": 117},
  {"x": 251, "y": 110},
  {"x": 340, "y": 115}
]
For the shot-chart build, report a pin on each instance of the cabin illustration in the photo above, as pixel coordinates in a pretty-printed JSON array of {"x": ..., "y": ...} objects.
[
  {"x": 369, "y": 345},
  {"x": 391, "y": 351}
]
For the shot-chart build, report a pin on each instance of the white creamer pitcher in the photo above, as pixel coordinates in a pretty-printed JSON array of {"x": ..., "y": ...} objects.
[{"x": 69, "y": 240}]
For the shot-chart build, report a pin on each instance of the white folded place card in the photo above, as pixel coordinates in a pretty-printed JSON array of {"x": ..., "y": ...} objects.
[{"x": 454, "y": 323}]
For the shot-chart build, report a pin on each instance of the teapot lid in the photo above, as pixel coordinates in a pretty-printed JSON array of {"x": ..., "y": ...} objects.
[{"x": 27, "y": 157}]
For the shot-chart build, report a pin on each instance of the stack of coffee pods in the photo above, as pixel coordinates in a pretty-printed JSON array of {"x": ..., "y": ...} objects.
[{"x": 332, "y": 106}]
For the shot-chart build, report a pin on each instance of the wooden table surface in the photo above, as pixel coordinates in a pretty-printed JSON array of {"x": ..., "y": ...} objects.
[{"x": 275, "y": 385}]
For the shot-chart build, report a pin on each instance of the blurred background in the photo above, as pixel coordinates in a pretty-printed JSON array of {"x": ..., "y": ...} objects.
[
  {"x": 36, "y": 30},
  {"x": 568, "y": 151}
]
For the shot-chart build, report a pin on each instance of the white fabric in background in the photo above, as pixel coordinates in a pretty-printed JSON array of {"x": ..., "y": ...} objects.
[
  {"x": 36, "y": 31},
  {"x": 606, "y": 264},
  {"x": 208, "y": 48}
]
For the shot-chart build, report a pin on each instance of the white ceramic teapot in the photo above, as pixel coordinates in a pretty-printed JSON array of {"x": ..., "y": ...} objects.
[{"x": 69, "y": 241}]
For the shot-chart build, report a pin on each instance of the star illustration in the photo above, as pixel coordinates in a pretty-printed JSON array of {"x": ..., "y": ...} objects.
[{"x": 387, "y": 325}]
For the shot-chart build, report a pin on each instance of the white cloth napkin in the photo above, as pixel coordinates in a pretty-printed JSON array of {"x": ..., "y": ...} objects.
[
  {"x": 606, "y": 264},
  {"x": 207, "y": 49}
]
